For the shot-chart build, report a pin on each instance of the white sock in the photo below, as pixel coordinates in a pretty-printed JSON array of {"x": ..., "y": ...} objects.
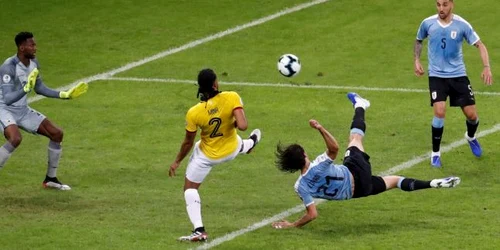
[
  {"x": 4, "y": 156},
  {"x": 247, "y": 145},
  {"x": 438, "y": 153},
  {"x": 359, "y": 105},
  {"x": 193, "y": 207},
  {"x": 5, "y": 152},
  {"x": 54, "y": 154}
]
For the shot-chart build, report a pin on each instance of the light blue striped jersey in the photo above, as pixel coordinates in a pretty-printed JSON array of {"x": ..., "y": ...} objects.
[
  {"x": 445, "y": 45},
  {"x": 324, "y": 180}
]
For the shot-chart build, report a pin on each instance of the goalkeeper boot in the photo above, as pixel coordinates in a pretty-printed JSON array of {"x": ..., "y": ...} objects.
[
  {"x": 196, "y": 236},
  {"x": 358, "y": 101},
  {"x": 475, "y": 147},
  {"x": 255, "y": 136},
  {"x": 448, "y": 182},
  {"x": 53, "y": 182}
]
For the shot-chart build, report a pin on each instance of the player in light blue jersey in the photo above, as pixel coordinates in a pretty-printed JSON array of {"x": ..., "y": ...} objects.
[
  {"x": 19, "y": 76},
  {"x": 322, "y": 178},
  {"x": 447, "y": 74}
]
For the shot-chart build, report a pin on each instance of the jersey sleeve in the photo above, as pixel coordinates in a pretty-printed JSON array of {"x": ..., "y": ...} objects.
[
  {"x": 7, "y": 74},
  {"x": 236, "y": 100},
  {"x": 422, "y": 31},
  {"x": 470, "y": 35},
  {"x": 7, "y": 84},
  {"x": 321, "y": 158},
  {"x": 191, "y": 121},
  {"x": 306, "y": 198}
]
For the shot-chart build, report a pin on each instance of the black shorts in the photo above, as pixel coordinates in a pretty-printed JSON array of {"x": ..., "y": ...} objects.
[
  {"x": 458, "y": 89},
  {"x": 358, "y": 163}
]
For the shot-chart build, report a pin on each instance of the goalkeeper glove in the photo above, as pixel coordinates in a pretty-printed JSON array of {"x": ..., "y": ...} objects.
[
  {"x": 74, "y": 92},
  {"x": 30, "y": 84}
]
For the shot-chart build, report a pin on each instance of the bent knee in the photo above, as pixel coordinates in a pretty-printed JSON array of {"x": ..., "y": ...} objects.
[
  {"x": 16, "y": 140},
  {"x": 57, "y": 135},
  {"x": 356, "y": 140}
]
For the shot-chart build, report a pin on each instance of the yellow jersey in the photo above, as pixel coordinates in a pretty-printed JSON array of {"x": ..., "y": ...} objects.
[{"x": 216, "y": 121}]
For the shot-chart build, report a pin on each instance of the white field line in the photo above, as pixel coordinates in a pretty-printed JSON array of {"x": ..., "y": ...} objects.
[
  {"x": 285, "y": 85},
  {"x": 189, "y": 45},
  {"x": 299, "y": 208}
]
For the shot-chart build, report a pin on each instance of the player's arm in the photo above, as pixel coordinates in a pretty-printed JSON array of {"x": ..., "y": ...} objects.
[
  {"x": 486, "y": 74},
  {"x": 9, "y": 92},
  {"x": 310, "y": 215},
  {"x": 39, "y": 87},
  {"x": 332, "y": 146},
  {"x": 186, "y": 146},
  {"x": 241, "y": 120},
  {"x": 417, "y": 51},
  {"x": 42, "y": 89}
]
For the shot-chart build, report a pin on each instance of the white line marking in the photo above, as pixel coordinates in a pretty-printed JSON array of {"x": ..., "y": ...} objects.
[
  {"x": 189, "y": 45},
  {"x": 299, "y": 208},
  {"x": 285, "y": 85}
]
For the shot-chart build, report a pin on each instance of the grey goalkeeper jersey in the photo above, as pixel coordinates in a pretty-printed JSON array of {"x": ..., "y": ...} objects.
[{"x": 14, "y": 75}]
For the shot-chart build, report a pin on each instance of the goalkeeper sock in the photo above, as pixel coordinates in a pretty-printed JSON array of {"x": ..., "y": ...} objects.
[
  {"x": 193, "y": 207},
  {"x": 408, "y": 184},
  {"x": 5, "y": 153},
  {"x": 54, "y": 156}
]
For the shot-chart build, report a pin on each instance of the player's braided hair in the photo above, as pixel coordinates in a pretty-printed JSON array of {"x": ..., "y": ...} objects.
[
  {"x": 206, "y": 79},
  {"x": 290, "y": 158}
]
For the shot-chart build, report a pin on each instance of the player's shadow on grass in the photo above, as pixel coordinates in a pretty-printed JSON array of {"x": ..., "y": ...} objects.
[
  {"x": 41, "y": 202},
  {"x": 373, "y": 227}
]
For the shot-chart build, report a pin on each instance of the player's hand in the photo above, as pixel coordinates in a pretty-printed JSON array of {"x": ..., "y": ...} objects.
[
  {"x": 487, "y": 76},
  {"x": 419, "y": 70},
  {"x": 78, "y": 90},
  {"x": 314, "y": 124},
  {"x": 282, "y": 224},
  {"x": 30, "y": 84},
  {"x": 173, "y": 167}
]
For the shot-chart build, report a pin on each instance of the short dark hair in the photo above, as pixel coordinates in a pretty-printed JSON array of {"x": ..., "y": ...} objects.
[
  {"x": 22, "y": 37},
  {"x": 290, "y": 158},
  {"x": 206, "y": 79}
]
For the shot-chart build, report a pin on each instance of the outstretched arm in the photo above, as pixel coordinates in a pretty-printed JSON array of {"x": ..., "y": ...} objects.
[
  {"x": 310, "y": 215},
  {"x": 332, "y": 147},
  {"x": 186, "y": 146},
  {"x": 42, "y": 89},
  {"x": 486, "y": 74},
  {"x": 417, "y": 50}
]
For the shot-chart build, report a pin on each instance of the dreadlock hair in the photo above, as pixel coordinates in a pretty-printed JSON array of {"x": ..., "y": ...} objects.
[
  {"x": 206, "y": 79},
  {"x": 290, "y": 158},
  {"x": 22, "y": 37}
]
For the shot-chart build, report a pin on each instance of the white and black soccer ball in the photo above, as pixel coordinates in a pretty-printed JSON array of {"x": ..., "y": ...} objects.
[{"x": 289, "y": 65}]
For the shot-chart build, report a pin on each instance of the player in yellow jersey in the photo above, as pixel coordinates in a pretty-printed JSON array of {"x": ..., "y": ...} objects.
[{"x": 218, "y": 116}]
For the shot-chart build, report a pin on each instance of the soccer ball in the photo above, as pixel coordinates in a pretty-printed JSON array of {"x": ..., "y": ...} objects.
[{"x": 289, "y": 65}]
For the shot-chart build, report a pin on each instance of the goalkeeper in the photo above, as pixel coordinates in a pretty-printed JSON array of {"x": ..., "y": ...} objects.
[{"x": 19, "y": 76}]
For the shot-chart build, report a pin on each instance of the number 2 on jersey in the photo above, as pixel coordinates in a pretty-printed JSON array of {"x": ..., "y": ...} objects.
[{"x": 217, "y": 121}]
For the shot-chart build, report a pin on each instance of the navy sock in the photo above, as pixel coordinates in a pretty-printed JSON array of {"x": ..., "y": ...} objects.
[{"x": 358, "y": 121}]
